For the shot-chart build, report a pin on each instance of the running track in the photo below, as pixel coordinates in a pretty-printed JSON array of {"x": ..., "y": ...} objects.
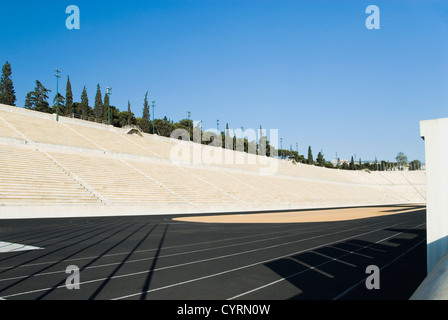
[{"x": 155, "y": 258}]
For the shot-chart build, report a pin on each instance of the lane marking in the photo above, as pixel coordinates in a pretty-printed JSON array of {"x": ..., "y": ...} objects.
[
  {"x": 251, "y": 265},
  {"x": 384, "y": 267},
  {"x": 305, "y": 231},
  {"x": 326, "y": 262},
  {"x": 162, "y": 256},
  {"x": 211, "y": 259},
  {"x": 6, "y": 247},
  {"x": 216, "y": 258}
]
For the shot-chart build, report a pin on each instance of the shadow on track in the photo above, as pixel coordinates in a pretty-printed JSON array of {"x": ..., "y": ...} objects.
[
  {"x": 325, "y": 273},
  {"x": 114, "y": 272}
]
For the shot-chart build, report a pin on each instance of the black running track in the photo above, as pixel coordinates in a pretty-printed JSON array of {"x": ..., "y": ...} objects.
[{"x": 156, "y": 258}]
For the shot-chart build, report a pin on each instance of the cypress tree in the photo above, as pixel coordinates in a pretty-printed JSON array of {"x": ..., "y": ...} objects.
[
  {"x": 98, "y": 108},
  {"x": 106, "y": 108},
  {"x": 7, "y": 93},
  {"x": 84, "y": 105},
  {"x": 146, "y": 116},
  {"x": 69, "y": 98},
  {"x": 310, "y": 156}
]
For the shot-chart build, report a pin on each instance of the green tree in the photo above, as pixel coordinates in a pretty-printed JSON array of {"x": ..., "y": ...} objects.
[
  {"x": 329, "y": 164},
  {"x": 69, "y": 98},
  {"x": 352, "y": 164},
  {"x": 145, "y": 122},
  {"x": 106, "y": 108},
  {"x": 114, "y": 116},
  {"x": 310, "y": 156},
  {"x": 98, "y": 111},
  {"x": 164, "y": 127},
  {"x": 130, "y": 115},
  {"x": 320, "y": 159},
  {"x": 84, "y": 108},
  {"x": 415, "y": 165},
  {"x": 186, "y": 125},
  {"x": 59, "y": 102},
  {"x": 124, "y": 118},
  {"x": 37, "y": 100},
  {"x": 7, "y": 93},
  {"x": 402, "y": 160}
]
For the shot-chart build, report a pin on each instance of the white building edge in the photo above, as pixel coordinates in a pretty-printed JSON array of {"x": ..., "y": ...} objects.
[{"x": 435, "y": 134}]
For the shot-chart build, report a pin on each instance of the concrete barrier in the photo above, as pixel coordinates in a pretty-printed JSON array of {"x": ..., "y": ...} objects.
[{"x": 435, "y": 286}]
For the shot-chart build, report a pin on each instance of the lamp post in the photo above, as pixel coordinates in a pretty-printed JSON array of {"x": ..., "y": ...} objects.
[
  {"x": 153, "y": 104},
  {"x": 108, "y": 92},
  {"x": 58, "y": 75}
]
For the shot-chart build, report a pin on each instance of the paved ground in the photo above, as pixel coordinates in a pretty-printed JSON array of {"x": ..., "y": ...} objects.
[{"x": 156, "y": 257}]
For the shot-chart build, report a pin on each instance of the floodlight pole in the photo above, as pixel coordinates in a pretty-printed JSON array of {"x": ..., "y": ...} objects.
[{"x": 58, "y": 75}]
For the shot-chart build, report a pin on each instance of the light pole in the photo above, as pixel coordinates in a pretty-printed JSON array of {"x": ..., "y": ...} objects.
[
  {"x": 108, "y": 92},
  {"x": 58, "y": 75},
  {"x": 153, "y": 104}
]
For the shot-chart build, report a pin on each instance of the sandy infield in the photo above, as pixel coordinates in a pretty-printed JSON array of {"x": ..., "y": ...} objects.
[{"x": 325, "y": 215}]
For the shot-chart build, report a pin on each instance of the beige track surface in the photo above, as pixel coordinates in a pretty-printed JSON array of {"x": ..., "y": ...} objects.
[{"x": 303, "y": 216}]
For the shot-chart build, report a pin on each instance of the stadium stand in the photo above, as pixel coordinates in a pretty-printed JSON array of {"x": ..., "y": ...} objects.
[
  {"x": 29, "y": 177},
  {"x": 75, "y": 162}
]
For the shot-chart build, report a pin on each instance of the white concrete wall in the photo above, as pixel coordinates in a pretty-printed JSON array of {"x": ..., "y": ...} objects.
[{"x": 435, "y": 133}]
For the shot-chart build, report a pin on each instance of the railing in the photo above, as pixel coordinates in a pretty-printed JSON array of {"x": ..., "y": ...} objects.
[{"x": 91, "y": 119}]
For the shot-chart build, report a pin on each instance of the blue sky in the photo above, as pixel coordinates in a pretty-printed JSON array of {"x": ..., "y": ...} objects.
[{"x": 310, "y": 69}]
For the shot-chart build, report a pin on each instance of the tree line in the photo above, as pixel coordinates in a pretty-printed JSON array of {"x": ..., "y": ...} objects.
[{"x": 103, "y": 111}]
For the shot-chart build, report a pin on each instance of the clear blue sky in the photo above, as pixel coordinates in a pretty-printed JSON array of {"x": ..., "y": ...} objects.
[{"x": 310, "y": 69}]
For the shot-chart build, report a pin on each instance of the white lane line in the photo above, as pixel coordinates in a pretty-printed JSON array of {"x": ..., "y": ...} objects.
[
  {"x": 256, "y": 263},
  {"x": 205, "y": 260},
  {"x": 159, "y": 257},
  {"x": 324, "y": 263},
  {"x": 6, "y": 247},
  {"x": 384, "y": 267},
  {"x": 178, "y": 254},
  {"x": 306, "y": 231},
  {"x": 215, "y": 258}
]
